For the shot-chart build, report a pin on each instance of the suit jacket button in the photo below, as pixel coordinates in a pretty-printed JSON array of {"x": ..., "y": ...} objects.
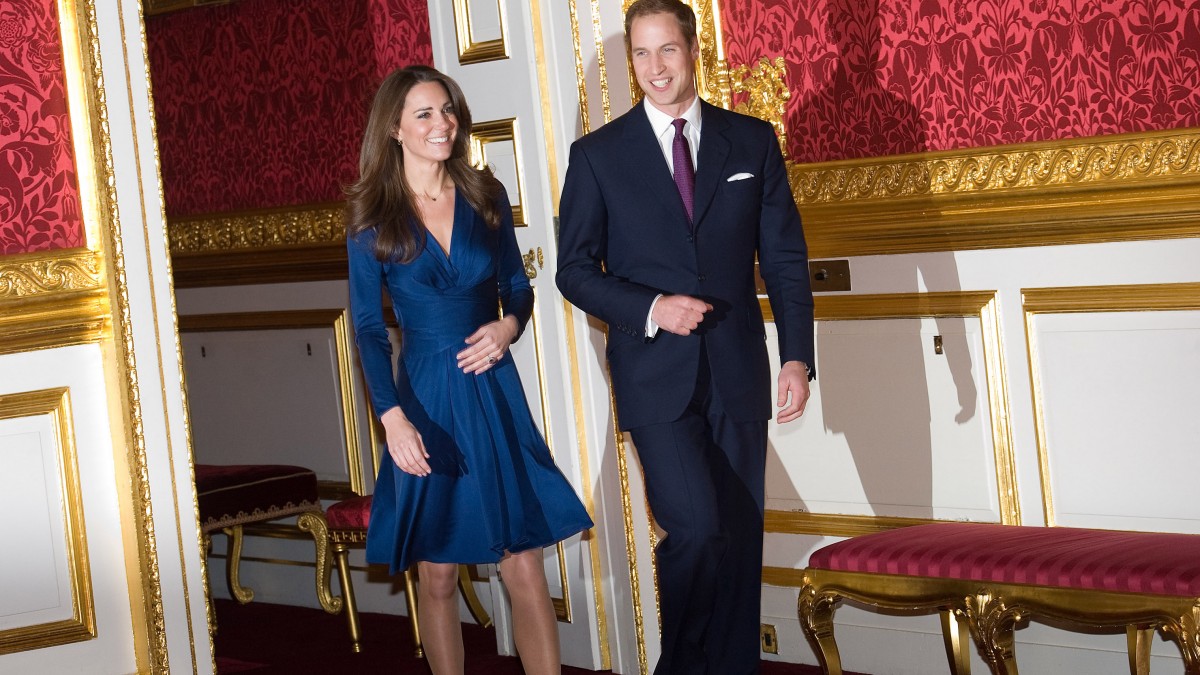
[
  {"x": 700, "y": 278},
  {"x": 691, "y": 239}
]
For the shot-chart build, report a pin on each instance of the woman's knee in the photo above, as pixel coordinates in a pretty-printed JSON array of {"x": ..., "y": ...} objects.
[
  {"x": 523, "y": 570},
  {"x": 438, "y": 580}
]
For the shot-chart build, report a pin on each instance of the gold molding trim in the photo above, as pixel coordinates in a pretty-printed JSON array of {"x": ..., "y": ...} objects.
[
  {"x": 1092, "y": 299},
  {"x": 52, "y": 299},
  {"x": 712, "y": 75},
  {"x": 56, "y": 403},
  {"x": 92, "y": 141},
  {"x": 287, "y": 244},
  {"x": 562, "y": 606},
  {"x": 304, "y": 225},
  {"x": 833, "y": 524},
  {"x": 979, "y": 304},
  {"x": 766, "y": 92},
  {"x": 338, "y": 321},
  {"x": 470, "y": 51},
  {"x": 30, "y": 274},
  {"x": 499, "y": 131},
  {"x": 1115, "y": 188},
  {"x": 782, "y": 577}
]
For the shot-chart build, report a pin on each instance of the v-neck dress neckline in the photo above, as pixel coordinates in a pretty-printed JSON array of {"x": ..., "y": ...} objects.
[{"x": 447, "y": 257}]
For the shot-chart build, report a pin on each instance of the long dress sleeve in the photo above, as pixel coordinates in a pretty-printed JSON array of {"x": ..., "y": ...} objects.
[
  {"x": 370, "y": 331},
  {"x": 516, "y": 295}
]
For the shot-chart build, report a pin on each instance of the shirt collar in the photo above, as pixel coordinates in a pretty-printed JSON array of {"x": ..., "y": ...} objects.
[{"x": 660, "y": 122}]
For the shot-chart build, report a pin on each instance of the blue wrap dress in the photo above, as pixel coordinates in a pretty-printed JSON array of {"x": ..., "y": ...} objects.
[{"x": 494, "y": 487}]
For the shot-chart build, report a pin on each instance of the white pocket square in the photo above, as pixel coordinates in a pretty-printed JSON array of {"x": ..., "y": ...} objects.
[{"x": 739, "y": 176}]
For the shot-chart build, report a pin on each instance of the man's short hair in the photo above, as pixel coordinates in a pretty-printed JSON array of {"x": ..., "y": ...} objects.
[{"x": 682, "y": 13}]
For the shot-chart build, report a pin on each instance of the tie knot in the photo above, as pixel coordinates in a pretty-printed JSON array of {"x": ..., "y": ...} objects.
[{"x": 678, "y": 124}]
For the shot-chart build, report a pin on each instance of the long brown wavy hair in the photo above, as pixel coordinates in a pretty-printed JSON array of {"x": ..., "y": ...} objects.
[{"x": 382, "y": 199}]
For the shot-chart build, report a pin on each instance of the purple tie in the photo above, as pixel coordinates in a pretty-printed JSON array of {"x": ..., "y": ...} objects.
[{"x": 685, "y": 174}]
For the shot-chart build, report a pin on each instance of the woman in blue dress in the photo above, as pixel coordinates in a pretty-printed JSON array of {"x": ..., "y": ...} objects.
[{"x": 468, "y": 477}]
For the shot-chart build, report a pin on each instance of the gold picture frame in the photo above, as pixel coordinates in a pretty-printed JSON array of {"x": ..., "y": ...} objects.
[
  {"x": 56, "y": 403},
  {"x": 472, "y": 51}
]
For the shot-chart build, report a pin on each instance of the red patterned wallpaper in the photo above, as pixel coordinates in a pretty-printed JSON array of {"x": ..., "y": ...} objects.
[
  {"x": 261, "y": 103},
  {"x": 882, "y": 77},
  {"x": 39, "y": 196}
]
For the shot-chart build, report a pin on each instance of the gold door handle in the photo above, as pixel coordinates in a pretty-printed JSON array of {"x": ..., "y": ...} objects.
[{"x": 530, "y": 259}]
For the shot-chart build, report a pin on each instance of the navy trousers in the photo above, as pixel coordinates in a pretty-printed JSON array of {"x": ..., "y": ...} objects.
[{"x": 704, "y": 478}]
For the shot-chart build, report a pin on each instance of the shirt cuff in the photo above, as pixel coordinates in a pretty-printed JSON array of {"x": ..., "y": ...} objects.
[{"x": 651, "y": 327}]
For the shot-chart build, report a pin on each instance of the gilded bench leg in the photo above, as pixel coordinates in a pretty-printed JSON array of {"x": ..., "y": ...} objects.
[
  {"x": 314, "y": 523},
  {"x": 410, "y": 596},
  {"x": 1185, "y": 631},
  {"x": 1138, "y": 639},
  {"x": 954, "y": 632},
  {"x": 992, "y": 623},
  {"x": 473, "y": 604},
  {"x": 816, "y": 618},
  {"x": 341, "y": 554},
  {"x": 233, "y": 560}
]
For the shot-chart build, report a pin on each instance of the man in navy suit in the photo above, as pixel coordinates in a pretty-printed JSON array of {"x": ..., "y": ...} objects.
[{"x": 663, "y": 212}]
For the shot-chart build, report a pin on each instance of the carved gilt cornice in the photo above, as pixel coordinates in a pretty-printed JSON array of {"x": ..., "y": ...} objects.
[
  {"x": 1094, "y": 162},
  {"x": 24, "y": 276},
  {"x": 269, "y": 228}
]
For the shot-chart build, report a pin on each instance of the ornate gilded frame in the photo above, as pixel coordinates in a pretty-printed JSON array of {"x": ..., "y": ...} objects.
[
  {"x": 469, "y": 50},
  {"x": 56, "y": 403},
  {"x": 502, "y": 131}
]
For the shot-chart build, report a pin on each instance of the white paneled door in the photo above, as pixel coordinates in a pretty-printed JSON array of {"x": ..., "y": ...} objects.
[{"x": 490, "y": 48}]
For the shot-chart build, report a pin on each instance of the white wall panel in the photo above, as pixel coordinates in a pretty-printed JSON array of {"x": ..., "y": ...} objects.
[
  {"x": 893, "y": 428},
  {"x": 34, "y": 550},
  {"x": 1119, "y": 407}
]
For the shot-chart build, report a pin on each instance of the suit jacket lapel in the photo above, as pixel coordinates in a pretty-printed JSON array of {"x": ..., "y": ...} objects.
[
  {"x": 714, "y": 150},
  {"x": 644, "y": 151}
]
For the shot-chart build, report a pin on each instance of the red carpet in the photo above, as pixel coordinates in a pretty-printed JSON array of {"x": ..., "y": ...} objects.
[{"x": 260, "y": 639}]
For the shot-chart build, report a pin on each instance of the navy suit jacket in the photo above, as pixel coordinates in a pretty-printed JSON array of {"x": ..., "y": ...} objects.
[{"x": 625, "y": 238}]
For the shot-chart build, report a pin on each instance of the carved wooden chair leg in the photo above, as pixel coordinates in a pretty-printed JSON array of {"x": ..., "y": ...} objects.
[
  {"x": 410, "y": 597},
  {"x": 341, "y": 555},
  {"x": 955, "y": 633},
  {"x": 816, "y": 618},
  {"x": 314, "y": 523},
  {"x": 233, "y": 560},
  {"x": 992, "y": 624},
  {"x": 473, "y": 604},
  {"x": 1139, "y": 638}
]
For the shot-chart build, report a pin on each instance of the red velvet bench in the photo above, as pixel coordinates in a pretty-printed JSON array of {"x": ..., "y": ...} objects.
[
  {"x": 986, "y": 579},
  {"x": 348, "y": 521},
  {"x": 231, "y": 496}
]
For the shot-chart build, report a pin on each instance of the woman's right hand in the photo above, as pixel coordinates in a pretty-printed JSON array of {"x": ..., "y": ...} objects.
[{"x": 404, "y": 443}]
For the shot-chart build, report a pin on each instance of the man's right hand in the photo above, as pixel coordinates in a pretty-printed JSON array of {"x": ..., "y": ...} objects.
[{"x": 679, "y": 314}]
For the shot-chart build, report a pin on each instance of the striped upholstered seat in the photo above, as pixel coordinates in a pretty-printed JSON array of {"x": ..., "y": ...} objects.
[
  {"x": 1099, "y": 560},
  {"x": 987, "y": 578}
]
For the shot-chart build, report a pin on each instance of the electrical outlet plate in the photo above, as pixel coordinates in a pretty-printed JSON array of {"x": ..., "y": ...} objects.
[{"x": 770, "y": 643}]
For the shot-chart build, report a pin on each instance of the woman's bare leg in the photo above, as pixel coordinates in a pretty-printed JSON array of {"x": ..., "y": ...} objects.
[
  {"x": 535, "y": 628},
  {"x": 441, "y": 632}
]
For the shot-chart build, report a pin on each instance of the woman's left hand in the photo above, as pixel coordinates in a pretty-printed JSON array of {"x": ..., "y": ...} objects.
[{"x": 488, "y": 345}]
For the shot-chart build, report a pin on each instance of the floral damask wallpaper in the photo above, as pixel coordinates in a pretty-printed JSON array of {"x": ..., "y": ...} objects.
[
  {"x": 884, "y": 77},
  {"x": 39, "y": 196},
  {"x": 262, "y": 103}
]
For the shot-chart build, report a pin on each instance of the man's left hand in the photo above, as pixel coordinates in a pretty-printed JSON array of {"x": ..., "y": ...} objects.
[{"x": 793, "y": 391}]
